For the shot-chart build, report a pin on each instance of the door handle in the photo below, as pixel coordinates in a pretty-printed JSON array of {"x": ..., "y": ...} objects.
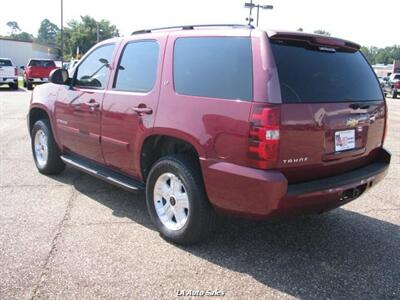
[
  {"x": 93, "y": 104},
  {"x": 142, "y": 110}
]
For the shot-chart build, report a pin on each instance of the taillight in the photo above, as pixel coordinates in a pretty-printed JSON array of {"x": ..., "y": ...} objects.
[
  {"x": 264, "y": 136},
  {"x": 16, "y": 71},
  {"x": 397, "y": 84}
]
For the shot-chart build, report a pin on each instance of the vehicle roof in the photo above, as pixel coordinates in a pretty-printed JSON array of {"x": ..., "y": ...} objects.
[
  {"x": 235, "y": 29},
  {"x": 48, "y": 59},
  {"x": 5, "y": 58}
]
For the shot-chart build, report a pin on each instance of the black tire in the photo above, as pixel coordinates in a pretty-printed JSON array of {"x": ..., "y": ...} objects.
[
  {"x": 54, "y": 164},
  {"x": 29, "y": 86},
  {"x": 25, "y": 83},
  {"x": 394, "y": 95},
  {"x": 14, "y": 86},
  {"x": 201, "y": 216}
]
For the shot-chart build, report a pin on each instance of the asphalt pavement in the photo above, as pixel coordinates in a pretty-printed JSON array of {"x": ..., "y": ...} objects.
[{"x": 72, "y": 236}]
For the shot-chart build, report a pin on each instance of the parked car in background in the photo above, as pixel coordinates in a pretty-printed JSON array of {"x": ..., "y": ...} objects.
[
  {"x": 222, "y": 119},
  {"x": 8, "y": 73},
  {"x": 37, "y": 71},
  {"x": 392, "y": 85}
]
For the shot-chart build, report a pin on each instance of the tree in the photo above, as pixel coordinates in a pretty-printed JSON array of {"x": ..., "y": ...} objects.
[
  {"x": 47, "y": 32},
  {"x": 322, "y": 32},
  {"x": 385, "y": 55},
  {"x": 83, "y": 34},
  {"x": 23, "y": 36},
  {"x": 14, "y": 28},
  {"x": 300, "y": 29}
]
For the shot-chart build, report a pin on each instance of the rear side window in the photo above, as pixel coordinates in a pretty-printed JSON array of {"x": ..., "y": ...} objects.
[
  {"x": 214, "y": 67},
  {"x": 5, "y": 63},
  {"x": 310, "y": 75},
  {"x": 137, "y": 70},
  {"x": 41, "y": 63}
]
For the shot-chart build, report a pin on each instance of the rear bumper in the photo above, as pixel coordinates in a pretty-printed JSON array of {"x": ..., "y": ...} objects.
[
  {"x": 264, "y": 194},
  {"x": 8, "y": 79},
  {"x": 38, "y": 80}
]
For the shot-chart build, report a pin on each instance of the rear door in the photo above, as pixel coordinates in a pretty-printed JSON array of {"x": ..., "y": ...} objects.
[
  {"x": 130, "y": 104},
  {"x": 332, "y": 113}
]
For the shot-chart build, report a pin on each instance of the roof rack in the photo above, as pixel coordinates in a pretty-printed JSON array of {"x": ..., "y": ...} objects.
[{"x": 191, "y": 27}]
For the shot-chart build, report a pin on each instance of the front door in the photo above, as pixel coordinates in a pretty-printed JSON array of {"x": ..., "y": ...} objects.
[
  {"x": 78, "y": 108},
  {"x": 129, "y": 106}
]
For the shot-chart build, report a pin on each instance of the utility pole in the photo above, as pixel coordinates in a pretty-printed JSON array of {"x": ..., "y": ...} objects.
[
  {"x": 62, "y": 33},
  {"x": 97, "y": 32},
  {"x": 250, "y": 5}
]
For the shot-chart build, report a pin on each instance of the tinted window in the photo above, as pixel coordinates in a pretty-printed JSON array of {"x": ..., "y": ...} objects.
[
  {"x": 214, "y": 67},
  {"x": 41, "y": 63},
  {"x": 310, "y": 75},
  {"x": 137, "y": 70},
  {"x": 92, "y": 72},
  {"x": 5, "y": 63}
]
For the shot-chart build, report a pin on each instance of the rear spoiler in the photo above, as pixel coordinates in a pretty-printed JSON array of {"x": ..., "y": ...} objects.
[{"x": 314, "y": 40}]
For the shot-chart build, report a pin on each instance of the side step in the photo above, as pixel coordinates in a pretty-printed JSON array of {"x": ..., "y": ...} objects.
[{"x": 103, "y": 173}]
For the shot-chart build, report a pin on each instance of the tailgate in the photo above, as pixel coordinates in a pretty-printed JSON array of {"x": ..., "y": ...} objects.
[
  {"x": 6, "y": 68},
  {"x": 333, "y": 109},
  {"x": 320, "y": 140},
  {"x": 39, "y": 72}
]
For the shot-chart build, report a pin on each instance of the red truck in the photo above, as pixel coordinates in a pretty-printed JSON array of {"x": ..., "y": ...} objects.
[
  {"x": 208, "y": 119},
  {"x": 37, "y": 71}
]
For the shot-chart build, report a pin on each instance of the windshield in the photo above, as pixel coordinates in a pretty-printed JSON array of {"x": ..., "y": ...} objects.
[
  {"x": 42, "y": 63},
  {"x": 312, "y": 75}
]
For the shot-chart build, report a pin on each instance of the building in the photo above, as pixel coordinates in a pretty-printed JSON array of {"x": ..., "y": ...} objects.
[
  {"x": 21, "y": 51},
  {"x": 385, "y": 70}
]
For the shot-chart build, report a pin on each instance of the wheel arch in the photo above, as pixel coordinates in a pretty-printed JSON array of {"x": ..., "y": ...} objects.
[{"x": 158, "y": 145}]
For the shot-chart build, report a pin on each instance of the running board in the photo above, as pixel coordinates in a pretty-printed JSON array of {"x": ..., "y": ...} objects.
[{"x": 103, "y": 173}]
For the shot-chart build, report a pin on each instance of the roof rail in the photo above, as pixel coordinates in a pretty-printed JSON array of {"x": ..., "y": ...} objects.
[{"x": 190, "y": 27}]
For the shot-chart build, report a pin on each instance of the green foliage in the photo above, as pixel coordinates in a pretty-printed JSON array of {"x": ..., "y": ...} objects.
[
  {"x": 23, "y": 36},
  {"x": 322, "y": 32},
  {"x": 385, "y": 55},
  {"x": 83, "y": 34},
  {"x": 47, "y": 33},
  {"x": 14, "y": 28}
]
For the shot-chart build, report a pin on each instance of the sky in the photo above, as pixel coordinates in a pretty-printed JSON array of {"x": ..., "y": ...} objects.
[{"x": 368, "y": 22}]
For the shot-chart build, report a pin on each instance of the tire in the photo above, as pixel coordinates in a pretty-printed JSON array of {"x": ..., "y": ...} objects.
[
  {"x": 14, "y": 86},
  {"x": 182, "y": 170},
  {"x": 394, "y": 95},
  {"x": 29, "y": 86},
  {"x": 25, "y": 83},
  {"x": 45, "y": 151}
]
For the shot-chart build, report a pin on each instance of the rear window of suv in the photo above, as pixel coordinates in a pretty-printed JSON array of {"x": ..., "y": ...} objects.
[
  {"x": 310, "y": 75},
  {"x": 42, "y": 63},
  {"x": 214, "y": 67},
  {"x": 5, "y": 63}
]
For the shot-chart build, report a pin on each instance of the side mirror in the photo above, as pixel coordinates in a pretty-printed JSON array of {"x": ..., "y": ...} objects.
[
  {"x": 59, "y": 76},
  {"x": 103, "y": 61}
]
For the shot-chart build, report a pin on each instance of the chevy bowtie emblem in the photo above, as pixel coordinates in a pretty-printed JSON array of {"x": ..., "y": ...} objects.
[{"x": 352, "y": 123}]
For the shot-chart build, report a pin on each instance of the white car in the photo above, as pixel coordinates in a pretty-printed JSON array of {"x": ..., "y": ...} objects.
[{"x": 8, "y": 73}]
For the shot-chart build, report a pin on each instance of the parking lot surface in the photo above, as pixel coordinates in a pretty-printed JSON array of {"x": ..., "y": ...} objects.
[{"x": 72, "y": 236}]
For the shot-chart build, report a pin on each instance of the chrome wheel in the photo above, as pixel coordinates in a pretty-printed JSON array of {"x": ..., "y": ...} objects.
[
  {"x": 171, "y": 201},
  {"x": 41, "y": 148}
]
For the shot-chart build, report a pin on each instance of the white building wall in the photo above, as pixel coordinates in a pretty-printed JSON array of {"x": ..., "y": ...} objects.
[{"x": 20, "y": 52}]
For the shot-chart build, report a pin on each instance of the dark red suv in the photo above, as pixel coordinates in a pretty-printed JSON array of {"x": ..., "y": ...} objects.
[{"x": 212, "y": 119}]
